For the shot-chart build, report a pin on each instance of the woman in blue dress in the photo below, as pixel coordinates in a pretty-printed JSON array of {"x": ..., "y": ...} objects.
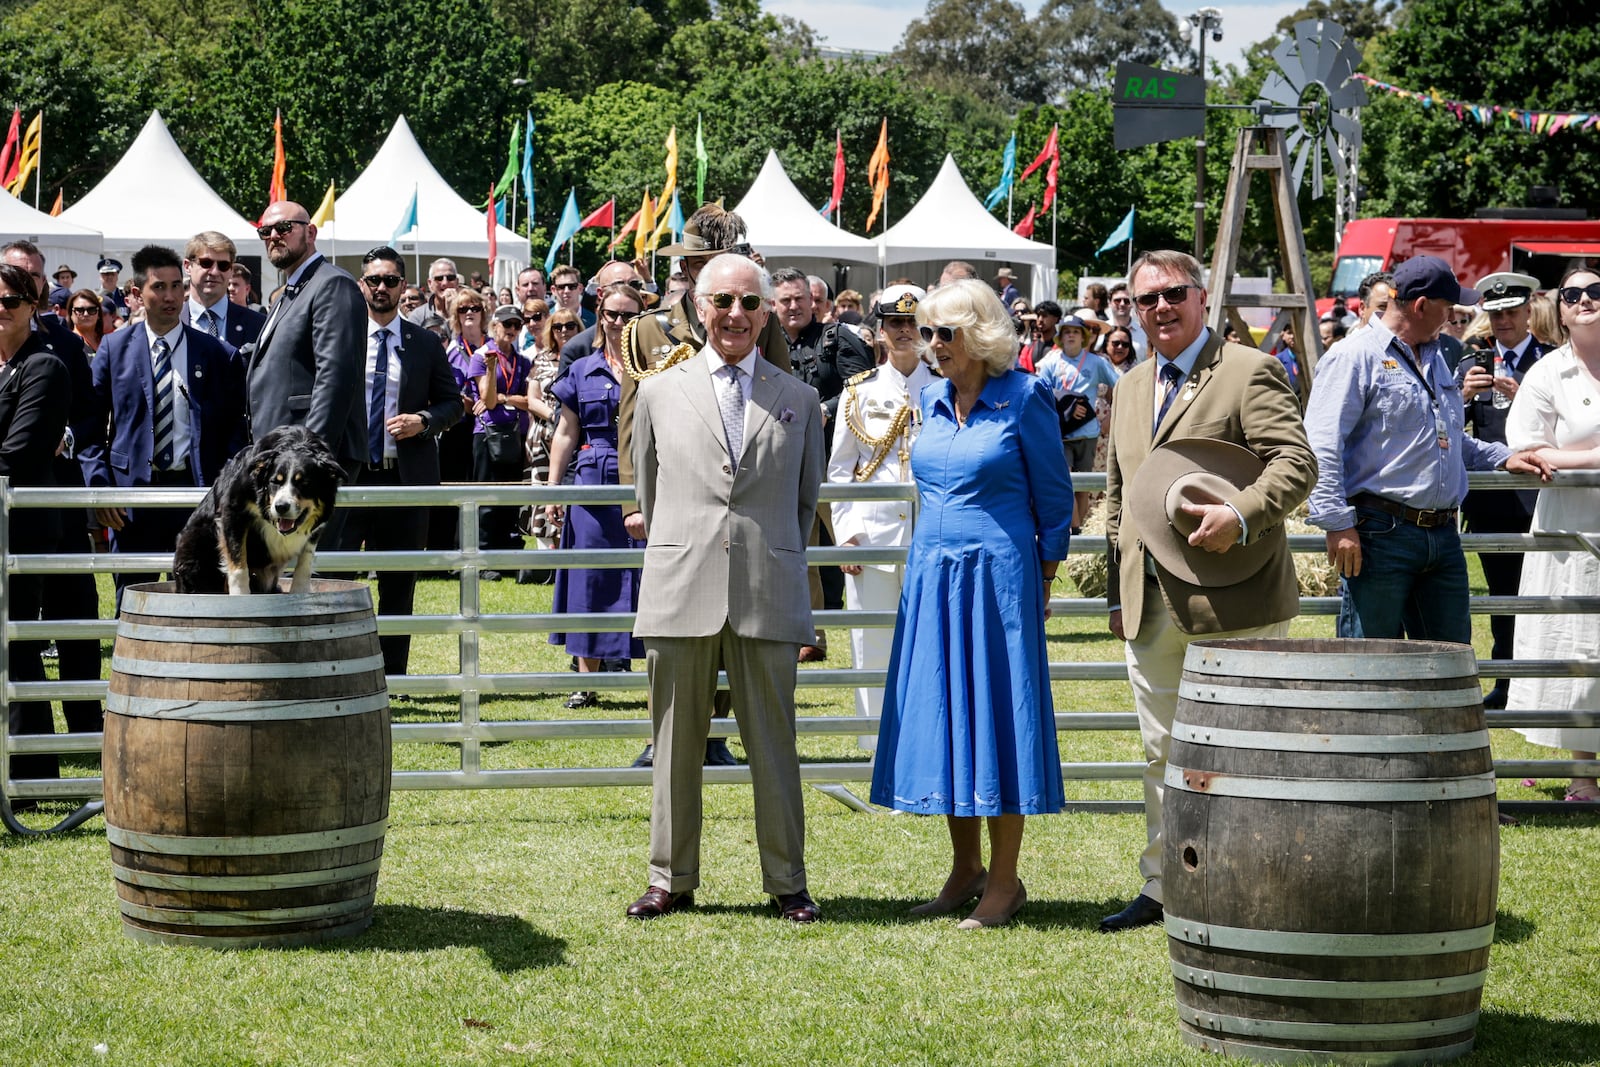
[
  {"x": 586, "y": 439},
  {"x": 968, "y": 726}
]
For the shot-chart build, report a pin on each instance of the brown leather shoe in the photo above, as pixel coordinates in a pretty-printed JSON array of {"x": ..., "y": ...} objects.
[
  {"x": 812, "y": 654},
  {"x": 798, "y": 907},
  {"x": 657, "y": 902}
]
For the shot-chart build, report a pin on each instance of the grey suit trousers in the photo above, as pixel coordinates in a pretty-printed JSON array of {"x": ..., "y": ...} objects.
[{"x": 683, "y": 680}]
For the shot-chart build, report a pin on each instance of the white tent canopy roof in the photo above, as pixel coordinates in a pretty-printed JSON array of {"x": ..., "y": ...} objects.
[
  {"x": 784, "y": 225},
  {"x": 949, "y": 222},
  {"x": 59, "y": 240},
  {"x": 155, "y": 196},
  {"x": 370, "y": 210}
]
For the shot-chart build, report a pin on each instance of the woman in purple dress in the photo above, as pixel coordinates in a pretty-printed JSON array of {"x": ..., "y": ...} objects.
[{"x": 586, "y": 439}]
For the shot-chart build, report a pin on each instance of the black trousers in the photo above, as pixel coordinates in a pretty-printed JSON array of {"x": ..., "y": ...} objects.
[
  {"x": 497, "y": 526},
  {"x": 27, "y": 665},
  {"x": 388, "y": 530}
]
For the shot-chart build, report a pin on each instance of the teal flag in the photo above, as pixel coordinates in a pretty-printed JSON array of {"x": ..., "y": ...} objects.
[
  {"x": 527, "y": 169},
  {"x": 408, "y": 221},
  {"x": 569, "y": 224},
  {"x": 1123, "y": 232},
  {"x": 1008, "y": 171}
]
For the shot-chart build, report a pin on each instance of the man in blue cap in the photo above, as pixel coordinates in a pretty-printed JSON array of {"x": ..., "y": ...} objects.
[
  {"x": 1385, "y": 421},
  {"x": 109, "y": 270}
]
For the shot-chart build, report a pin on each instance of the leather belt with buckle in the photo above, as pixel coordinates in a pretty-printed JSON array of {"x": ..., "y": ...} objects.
[{"x": 1427, "y": 518}]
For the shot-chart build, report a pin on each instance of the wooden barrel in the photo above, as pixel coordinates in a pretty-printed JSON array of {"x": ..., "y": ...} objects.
[
  {"x": 1332, "y": 850},
  {"x": 246, "y": 765}
]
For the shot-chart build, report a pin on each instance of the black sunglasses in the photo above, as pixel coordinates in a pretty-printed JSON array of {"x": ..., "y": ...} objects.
[
  {"x": 564, "y": 327},
  {"x": 476, "y": 309},
  {"x": 12, "y": 301},
  {"x": 1173, "y": 296},
  {"x": 613, "y": 315},
  {"x": 85, "y": 311},
  {"x": 383, "y": 281},
  {"x": 724, "y": 301},
  {"x": 567, "y": 285},
  {"x": 510, "y": 324},
  {"x": 945, "y": 334},
  {"x": 533, "y": 318},
  {"x": 280, "y": 228},
  {"x": 1119, "y": 344},
  {"x": 1571, "y": 294},
  {"x": 443, "y": 277}
]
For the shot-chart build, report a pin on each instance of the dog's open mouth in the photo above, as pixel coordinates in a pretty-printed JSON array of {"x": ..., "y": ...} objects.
[{"x": 286, "y": 526}]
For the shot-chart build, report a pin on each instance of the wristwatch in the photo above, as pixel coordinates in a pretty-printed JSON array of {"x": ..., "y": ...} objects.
[{"x": 426, "y": 422}]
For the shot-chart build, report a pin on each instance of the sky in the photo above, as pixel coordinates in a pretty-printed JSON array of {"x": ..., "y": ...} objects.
[{"x": 878, "y": 24}]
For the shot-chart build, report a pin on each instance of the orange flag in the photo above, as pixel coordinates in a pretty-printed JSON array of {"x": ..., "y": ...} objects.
[
  {"x": 277, "y": 191},
  {"x": 878, "y": 174},
  {"x": 55, "y": 209},
  {"x": 627, "y": 228}
]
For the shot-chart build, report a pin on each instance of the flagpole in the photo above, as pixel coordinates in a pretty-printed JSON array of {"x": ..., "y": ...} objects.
[
  {"x": 38, "y": 167},
  {"x": 1009, "y": 191}
]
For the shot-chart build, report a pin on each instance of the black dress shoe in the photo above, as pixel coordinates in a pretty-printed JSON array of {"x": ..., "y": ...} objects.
[
  {"x": 488, "y": 576},
  {"x": 647, "y": 758},
  {"x": 798, "y": 907},
  {"x": 582, "y": 699},
  {"x": 1495, "y": 699},
  {"x": 717, "y": 754},
  {"x": 1142, "y": 912},
  {"x": 657, "y": 902}
]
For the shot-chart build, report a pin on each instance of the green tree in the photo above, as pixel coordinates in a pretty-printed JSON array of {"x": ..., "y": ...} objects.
[
  {"x": 990, "y": 46},
  {"x": 1083, "y": 39}
]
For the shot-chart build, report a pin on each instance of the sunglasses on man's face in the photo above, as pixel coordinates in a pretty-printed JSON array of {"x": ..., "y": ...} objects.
[
  {"x": 12, "y": 301},
  {"x": 1571, "y": 294},
  {"x": 724, "y": 301},
  {"x": 1173, "y": 296},
  {"x": 444, "y": 277},
  {"x": 207, "y": 263},
  {"x": 945, "y": 334},
  {"x": 280, "y": 228},
  {"x": 382, "y": 281},
  {"x": 567, "y": 285}
]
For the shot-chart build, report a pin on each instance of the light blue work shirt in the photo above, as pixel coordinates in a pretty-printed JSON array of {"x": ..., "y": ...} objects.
[
  {"x": 1082, "y": 374},
  {"x": 1378, "y": 427}
]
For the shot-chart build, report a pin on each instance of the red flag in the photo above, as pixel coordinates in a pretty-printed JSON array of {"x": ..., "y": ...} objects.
[
  {"x": 838, "y": 173},
  {"x": 9, "y": 156},
  {"x": 1050, "y": 181},
  {"x": 627, "y": 228},
  {"x": 1025, "y": 227},
  {"x": 1050, "y": 151},
  {"x": 492, "y": 222},
  {"x": 277, "y": 191},
  {"x": 604, "y": 215}
]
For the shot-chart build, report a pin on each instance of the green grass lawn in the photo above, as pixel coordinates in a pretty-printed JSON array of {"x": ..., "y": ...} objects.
[{"x": 499, "y": 936}]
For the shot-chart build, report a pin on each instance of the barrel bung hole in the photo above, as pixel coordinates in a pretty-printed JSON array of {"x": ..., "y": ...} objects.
[{"x": 1191, "y": 858}]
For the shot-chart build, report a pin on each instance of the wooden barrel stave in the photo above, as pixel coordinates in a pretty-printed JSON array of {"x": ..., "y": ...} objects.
[
  {"x": 1303, "y": 857},
  {"x": 247, "y": 776}
]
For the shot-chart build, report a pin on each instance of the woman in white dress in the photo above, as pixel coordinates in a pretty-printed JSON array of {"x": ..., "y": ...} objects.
[{"x": 1557, "y": 412}]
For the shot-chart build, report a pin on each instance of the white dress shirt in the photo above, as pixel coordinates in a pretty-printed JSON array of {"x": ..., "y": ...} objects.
[
  {"x": 178, "y": 354},
  {"x": 391, "y": 389}
]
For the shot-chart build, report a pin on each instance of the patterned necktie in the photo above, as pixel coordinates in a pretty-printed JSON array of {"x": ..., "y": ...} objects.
[
  {"x": 165, "y": 418},
  {"x": 375, "y": 402},
  {"x": 730, "y": 400},
  {"x": 1170, "y": 377},
  {"x": 209, "y": 322}
]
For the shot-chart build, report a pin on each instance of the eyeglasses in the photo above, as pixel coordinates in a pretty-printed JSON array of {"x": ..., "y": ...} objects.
[
  {"x": 443, "y": 277},
  {"x": 85, "y": 311},
  {"x": 12, "y": 301},
  {"x": 470, "y": 309},
  {"x": 724, "y": 301},
  {"x": 382, "y": 281},
  {"x": 1571, "y": 294},
  {"x": 539, "y": 317},
  {"x": 1119, "y": 344},
  {"x": 1173, "y": 296},
  {"x": 1122, "y": 301},
  {"x": 613, "y": 315},
  {"x": 281, "y": 228},
  {"x": 207, "y": 263},
  {"x": 567, "y": 285},
  {"x": 945, "y": 334},
  {"x": 563, "y": 327},
  {"x": 1463, "y": 320}
]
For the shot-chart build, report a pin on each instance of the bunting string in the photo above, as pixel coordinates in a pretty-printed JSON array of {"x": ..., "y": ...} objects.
[{"x": 1548, "y": 123}]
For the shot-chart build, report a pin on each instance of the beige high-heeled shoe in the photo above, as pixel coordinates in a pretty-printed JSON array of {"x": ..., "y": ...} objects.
[
  {"x": 944, "y": 906},
  {"x": 974, "y": 922}
]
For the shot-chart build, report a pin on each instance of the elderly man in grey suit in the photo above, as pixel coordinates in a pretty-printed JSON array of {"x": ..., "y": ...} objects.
[
  {"x": 728, "y": 456},
  {"x": 307, "y": 368}
]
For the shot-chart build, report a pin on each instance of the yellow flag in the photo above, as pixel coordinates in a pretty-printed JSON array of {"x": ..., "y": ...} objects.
[
  {"x": 28, "y": 161},
  {"x": 663, "y": 227},
  {"x": 878, "y": 173},
  {"x": 324, "y": 213},
  {"x": 647, "y": 226}
]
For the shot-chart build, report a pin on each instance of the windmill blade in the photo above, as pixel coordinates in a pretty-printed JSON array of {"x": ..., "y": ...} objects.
[
  {"x": 1317, "y": 156},
  {"x": 1292, "y": 141},
  {"x": 1335, "y": 154},
  {"x": 1308, "y": 37},
  {"x": 1286, "y": 55},
  {"x": 1346, "y": 126},
  {"x": 1351, "y": 94},
  {"x": 1278, "y": 91},
  {"x": 1300, "y": 164},
  {"x": 1349, "y": 59}
]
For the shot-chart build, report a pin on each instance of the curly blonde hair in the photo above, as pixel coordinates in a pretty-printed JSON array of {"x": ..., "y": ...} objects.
[{"x": 975, "y": 309}]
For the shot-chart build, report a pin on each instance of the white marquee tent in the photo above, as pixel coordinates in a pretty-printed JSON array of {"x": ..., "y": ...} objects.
[
  {"x": 949, "y": 222},
  {"x": 369, "y": 212},
  {"x": 59, "y": 240},
  {"x": 789, "y": 232},
  {"x": 155, "y": 196}
]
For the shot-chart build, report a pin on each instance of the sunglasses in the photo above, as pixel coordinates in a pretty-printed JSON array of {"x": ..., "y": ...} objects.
[
  {"x": 1119, "y": 344},
  {"x": 207, "y": 263},
  {"x": 1465, "y": 320},
  {"x": 470, "y": 309},
  {"x": 567, "y": 285},
  {"x": 12, "y": 301},
  {"x": 534, "y": 318},
  {"x": 383, "y": 281},
  {"x": 564, "y": 327},
  {"x": 281, "y": 228},
  {"x": 443, "y": 277},
  {"x": 724, "y": 301},
  {"x": 1122, "y": 301},
  {"x": 85, "y": 311},
  {"x": 945, "y": 334},
  {"x": 511, "y": 324},
  {"x": 611, "y": 315},
  {"x": 1173, "y": 296},
  {"x": 1571, "y": 294}
]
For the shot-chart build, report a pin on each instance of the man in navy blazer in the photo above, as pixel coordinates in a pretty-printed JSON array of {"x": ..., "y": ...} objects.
[
  {"x": 208, "y": 261},
  {"x": 306, "y": 367},
  {"x": 205, "y": 410}
]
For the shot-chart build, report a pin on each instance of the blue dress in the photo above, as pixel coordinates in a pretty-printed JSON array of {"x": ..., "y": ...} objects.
[
  {"x": 968, "y": 726},
  {"x": 589, "y": 390}
]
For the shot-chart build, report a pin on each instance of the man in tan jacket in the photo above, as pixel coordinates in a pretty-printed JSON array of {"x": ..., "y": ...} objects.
[{"x": 1195, "y": 386}]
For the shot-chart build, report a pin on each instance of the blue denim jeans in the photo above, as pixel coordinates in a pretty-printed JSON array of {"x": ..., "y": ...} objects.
[{"x": 1413, "y": 582}]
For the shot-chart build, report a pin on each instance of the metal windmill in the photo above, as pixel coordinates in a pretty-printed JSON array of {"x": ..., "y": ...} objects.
[{"x": 1315, "y": 78}]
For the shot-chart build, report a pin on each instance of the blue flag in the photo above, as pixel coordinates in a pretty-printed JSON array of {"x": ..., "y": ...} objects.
[
  {"x": 1123, "y": 232},
  {"x": 500, "y": 212},
  {"x": 564, "y": 229},
  {"x": 527, "y": 168},
  {"x": 408, "y": 221},
  {"x": 676, "y": 218},
  {"x": 1008, "y": 170},
  {"x": 827, "y": 205}
]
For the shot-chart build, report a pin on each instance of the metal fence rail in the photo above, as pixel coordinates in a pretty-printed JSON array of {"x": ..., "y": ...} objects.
[{"x": 469, "y": 623}]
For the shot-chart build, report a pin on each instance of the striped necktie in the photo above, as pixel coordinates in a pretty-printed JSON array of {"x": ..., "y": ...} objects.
[
  {"x": 1170, "y": 377},
  {"x": 166, "y": 422},
  {"x": 208, "y": 322},
  {"x": 377, "y": 397}
]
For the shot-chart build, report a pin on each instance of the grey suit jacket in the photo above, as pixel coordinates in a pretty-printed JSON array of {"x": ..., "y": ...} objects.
[
  {"x": 309, "y": 365},
  {"x": 727, "y": 542},
  {"x": 426, "y": 385}
]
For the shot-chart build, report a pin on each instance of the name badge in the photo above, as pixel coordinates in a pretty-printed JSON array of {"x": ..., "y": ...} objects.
[{"x": 1443, "y": 433}]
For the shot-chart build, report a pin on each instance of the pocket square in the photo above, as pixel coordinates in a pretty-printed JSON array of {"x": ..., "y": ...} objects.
[{"x": 786, "y": 415}]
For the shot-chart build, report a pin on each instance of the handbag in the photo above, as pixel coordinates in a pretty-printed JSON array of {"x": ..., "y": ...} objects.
[
  {"x": 1067, "y": 407},
  {"x": 504, "y": 442}
]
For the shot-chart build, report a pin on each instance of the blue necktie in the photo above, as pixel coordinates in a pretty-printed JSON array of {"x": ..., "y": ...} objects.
[
  {"x": 209, "y": 321},
  {"x": 1170, "y": 377},
  {"x": 165, "y": 418},
  {"x": 380, "y": 384}
]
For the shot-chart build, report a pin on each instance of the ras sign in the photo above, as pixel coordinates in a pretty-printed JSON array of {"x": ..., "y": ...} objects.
[{"x": 1151, "y": 105}]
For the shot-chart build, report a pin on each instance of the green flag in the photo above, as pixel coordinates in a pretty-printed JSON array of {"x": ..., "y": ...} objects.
[
  {"x": 513, "y": 162},
  {"x": 699, "y": 165}
]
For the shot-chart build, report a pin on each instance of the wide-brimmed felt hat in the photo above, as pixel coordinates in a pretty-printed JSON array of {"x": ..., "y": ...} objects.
[
  {"x": 1091, "y": 327},
  {"x": 692, "y": 244},
  {"x": 1195, "y": 470}
]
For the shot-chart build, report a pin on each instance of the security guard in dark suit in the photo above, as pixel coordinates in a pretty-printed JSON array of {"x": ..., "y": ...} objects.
[
  {"x": 659, "y": 339},
  {"x": 1489, "y": 376}
]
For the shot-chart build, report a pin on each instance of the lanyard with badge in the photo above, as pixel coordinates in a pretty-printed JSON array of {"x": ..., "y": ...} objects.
[{"x": 1441, "y": 431}]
